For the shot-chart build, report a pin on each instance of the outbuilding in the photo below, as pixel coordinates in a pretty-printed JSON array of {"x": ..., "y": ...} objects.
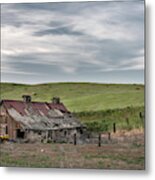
[{"x": 29, "y": 121}]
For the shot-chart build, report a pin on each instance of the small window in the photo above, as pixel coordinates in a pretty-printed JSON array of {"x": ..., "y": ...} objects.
[
  {"x": 81, "y": 131},
  {"x": 6, "y": 130},
  {"x": 56, "y": 125},
  {"x": 39, "y": 132},
  {"x": 65, "y": 133}
]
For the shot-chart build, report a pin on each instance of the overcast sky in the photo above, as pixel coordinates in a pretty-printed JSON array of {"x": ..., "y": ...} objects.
[{"x": 89, "y": 42}]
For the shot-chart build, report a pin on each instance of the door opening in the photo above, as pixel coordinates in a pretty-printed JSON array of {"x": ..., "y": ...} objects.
[{"x": 20, "y": 134}]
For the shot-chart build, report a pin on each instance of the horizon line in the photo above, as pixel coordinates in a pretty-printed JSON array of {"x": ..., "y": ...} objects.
[{"x": 73, "y": 82}]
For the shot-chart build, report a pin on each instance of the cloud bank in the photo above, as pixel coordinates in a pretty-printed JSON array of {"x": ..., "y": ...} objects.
[{"x": 95, "y": 41}]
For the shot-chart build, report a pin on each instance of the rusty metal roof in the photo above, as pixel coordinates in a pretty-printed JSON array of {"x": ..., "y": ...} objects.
[
  {"x": 40, "y": 115},
  {"x": 38, "y": 107}
]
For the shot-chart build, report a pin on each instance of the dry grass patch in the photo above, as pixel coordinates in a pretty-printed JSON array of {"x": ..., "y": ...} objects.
[{"x": 120, "y": 155}]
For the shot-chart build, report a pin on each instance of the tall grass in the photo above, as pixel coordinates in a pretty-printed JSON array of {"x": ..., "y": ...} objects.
[{"x": 127, "y": 118}]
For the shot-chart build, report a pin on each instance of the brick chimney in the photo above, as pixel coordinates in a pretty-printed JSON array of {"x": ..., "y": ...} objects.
[
  {"x": 26, "y": 98},
  {"x": 56, "y": 100}
]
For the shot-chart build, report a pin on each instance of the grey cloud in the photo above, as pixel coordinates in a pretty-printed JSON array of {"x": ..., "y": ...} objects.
[
  {"x": 87, "y": 47},
  {"x": 118, "y": 50},
  {"x": 62, "y": 7},
  {"x": 56, "y": 23},
  {"x": 58, "y": 31}
]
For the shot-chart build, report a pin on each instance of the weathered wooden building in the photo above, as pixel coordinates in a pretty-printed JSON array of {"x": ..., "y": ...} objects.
[{"x": 27, "y": 120}]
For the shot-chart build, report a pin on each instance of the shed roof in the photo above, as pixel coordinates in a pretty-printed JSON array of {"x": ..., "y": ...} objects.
[
  {"x": 40, "y": 115},
  {"x": 44, "y": 107}
]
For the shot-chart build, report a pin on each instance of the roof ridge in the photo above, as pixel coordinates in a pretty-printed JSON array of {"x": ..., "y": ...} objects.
[
  {"x": 13, "y": 100},
  {"x": 31, "y": 101}
]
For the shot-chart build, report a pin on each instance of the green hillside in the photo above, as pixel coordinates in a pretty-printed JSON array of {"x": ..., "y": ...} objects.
[
  {"x": 80, "y": 96},
  {"x": 97, "y": 105}
]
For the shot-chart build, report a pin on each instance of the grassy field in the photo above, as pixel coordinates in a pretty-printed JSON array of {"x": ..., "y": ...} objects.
[
  {"x": 96, "y": 105},
  {"x": 80, "y": 96},
  {"x": 126, "y": 154},
  {"x": 125, "y": 119}
]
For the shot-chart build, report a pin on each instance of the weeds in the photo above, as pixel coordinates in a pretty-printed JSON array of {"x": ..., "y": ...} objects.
[{"x": 102, "y": 121}]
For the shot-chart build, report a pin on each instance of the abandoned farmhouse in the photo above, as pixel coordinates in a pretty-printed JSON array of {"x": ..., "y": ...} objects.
[{"x": 30, "y": 121}]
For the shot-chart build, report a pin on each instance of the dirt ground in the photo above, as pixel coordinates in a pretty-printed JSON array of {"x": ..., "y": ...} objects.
[{"x": 123, "y": 151}]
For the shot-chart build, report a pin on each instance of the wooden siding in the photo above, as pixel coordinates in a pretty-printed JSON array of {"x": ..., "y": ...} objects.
[{"x": 7, "y": 122}]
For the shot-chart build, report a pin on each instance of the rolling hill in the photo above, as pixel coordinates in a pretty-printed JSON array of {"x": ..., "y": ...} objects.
[
  {"x": 96, "y": 105},
  {"x": 80, "y": 96}
]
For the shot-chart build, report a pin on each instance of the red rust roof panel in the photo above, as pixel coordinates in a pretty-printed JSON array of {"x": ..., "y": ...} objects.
[{"x": 38, "y": 107}]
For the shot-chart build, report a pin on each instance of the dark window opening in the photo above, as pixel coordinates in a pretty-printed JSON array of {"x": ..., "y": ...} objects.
[
  {"x": 20, "y": 134},
  {"x": 39, "y": 132},
  {"x": 56, "y": 125},
  {"x": 81, "y": 131},
  {"x": 6, "y": 130},
  {"x": 65, "y": 133}
]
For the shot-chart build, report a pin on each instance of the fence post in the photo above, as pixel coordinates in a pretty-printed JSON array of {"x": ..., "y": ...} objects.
[
  {"x": 74, "y": 139},
  {"x": 114, "y": 127},
  {"x": 141, "y": 115},
  {"x": 127, "y": 121},
  {"x": 99, "y": 140},
  {"x": 142, "y": 118},
  {"x": 109, "y": 136}
]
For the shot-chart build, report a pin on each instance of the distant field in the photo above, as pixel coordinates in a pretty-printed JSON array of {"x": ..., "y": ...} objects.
[
  {"x": 80, "y": 96},
  {"x": 97, "y": 105}
]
